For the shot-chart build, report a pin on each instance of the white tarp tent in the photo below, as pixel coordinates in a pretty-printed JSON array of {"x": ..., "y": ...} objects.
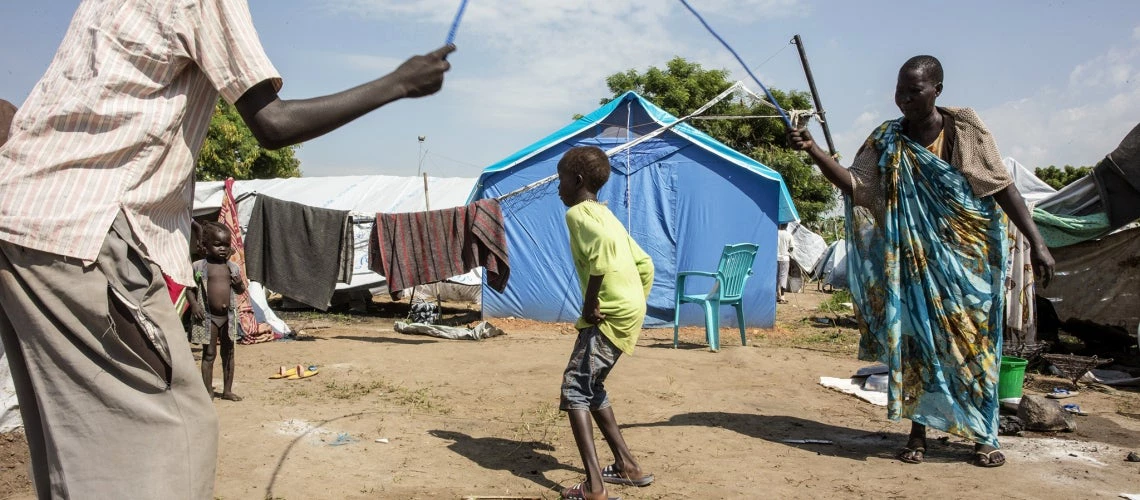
[
  {"x": 807, "y": 249},
  {"x": 363, "y": 195},
  {"x": 1032, "y": 188}
]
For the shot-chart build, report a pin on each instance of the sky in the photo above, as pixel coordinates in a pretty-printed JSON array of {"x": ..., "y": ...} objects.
[{"x": 1057, "y": 82}]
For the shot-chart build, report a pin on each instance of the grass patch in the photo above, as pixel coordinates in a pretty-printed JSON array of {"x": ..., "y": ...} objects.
[
  {"x": 422, "y": 399},
  {"x": 837, "y": 303},
  {"x": 353, "y": 390},
  {"x": 541, "y": 417},
  {"x": 314, "y": 316}
]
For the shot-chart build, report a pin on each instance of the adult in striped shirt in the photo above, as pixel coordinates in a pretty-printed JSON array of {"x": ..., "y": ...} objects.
[{"x": 96, "y": 181}]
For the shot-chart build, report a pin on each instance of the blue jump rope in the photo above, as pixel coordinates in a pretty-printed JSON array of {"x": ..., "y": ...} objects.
[
  {"x": 455, "y": 23},
  {"x": 783, "y": 115},
  {"x": 787, "y": 121}
]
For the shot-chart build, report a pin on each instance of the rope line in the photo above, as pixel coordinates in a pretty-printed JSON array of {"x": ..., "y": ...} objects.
[
  {"x": 455, "y": 23},
  {"x": 787, "y": 121}
]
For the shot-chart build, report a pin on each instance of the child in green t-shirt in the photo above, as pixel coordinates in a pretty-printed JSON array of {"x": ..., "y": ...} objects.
[{"x": 615, "y": 275}]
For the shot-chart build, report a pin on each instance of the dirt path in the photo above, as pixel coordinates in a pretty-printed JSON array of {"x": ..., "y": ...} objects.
[{"x": 398, "y": 416}]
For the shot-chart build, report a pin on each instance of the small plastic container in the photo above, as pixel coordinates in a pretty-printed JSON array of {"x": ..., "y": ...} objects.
[
  {"x": 876, "y": 383},
  {"x": 1011, "y": 377}
]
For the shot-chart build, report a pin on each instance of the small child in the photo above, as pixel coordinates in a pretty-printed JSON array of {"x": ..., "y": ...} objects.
[
  {"x": 615, "y": 275},
  {"x": 214, "y": 306}
]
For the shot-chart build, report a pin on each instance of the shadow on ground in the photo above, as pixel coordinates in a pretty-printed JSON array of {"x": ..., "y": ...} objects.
[
  {"x": 854, "y": 444},
  {"x": 524, "y": 459}
]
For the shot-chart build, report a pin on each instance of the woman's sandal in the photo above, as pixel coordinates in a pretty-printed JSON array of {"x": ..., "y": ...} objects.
[
  {"x": 912, "y": 455},
  {"x": 985, "y": 459}
]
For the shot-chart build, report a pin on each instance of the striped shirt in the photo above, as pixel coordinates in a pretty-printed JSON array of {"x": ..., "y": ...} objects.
[{"x": 116, "y": 122}]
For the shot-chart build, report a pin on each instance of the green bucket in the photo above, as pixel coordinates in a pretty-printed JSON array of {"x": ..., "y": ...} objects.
[{"x": 1011, "y": 376}]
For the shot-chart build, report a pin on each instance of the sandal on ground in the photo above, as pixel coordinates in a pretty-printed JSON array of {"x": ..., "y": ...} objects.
[
  {"x": 612, "y": 475},
  {"x": 912, "y": 455},
  {"x": 577, "y": 492},
  {"x": 1061, "y": 393},
  {"x": 986, "y": 459}
]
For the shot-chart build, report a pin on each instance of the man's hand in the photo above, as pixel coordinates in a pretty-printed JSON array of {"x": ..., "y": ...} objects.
[
  {"x": 423, "y": 75},
  {"x": 1042, "y": 264},
  {"x": 800, "y": 139}
]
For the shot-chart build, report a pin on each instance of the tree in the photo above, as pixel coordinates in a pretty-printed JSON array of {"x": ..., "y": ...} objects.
[
  {"x": 682, "y": 87},
  {"x": 231, "y": 150},
  {"x": 1059, "y": 178}
]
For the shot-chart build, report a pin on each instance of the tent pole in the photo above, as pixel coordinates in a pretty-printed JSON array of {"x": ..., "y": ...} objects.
[{"x": 815, "y": 94}]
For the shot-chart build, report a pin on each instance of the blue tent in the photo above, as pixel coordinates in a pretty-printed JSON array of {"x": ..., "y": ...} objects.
[{"x": 682, "y": 195}]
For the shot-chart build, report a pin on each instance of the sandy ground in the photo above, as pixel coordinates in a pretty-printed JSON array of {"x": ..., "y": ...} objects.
[{"x": 399, "y": 416}]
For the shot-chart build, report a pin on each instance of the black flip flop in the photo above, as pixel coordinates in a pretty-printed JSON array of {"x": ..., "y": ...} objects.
[
  {"x": 575, "y": 493},
  {"x": 611, "y": 475}
]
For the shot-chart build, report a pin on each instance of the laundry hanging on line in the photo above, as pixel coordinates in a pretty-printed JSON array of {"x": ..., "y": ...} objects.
[
  {"x": 299, "y": 251},
  {"x": 416, "y": 248}
]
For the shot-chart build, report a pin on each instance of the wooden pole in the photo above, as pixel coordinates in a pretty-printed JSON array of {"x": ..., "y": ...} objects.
[
  {"x": 427, "y": 205},
  {"x": 814, "y": 94}
]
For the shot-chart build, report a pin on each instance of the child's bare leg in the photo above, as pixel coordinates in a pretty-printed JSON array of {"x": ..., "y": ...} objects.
[
  {"x": 623, "y": 458},
  {"x": 584, "y": 437},
  {"x": 228, "y": 367},
  {"x": 209, "y": 353}
]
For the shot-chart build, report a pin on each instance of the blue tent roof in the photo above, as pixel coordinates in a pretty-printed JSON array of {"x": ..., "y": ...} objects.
[
  {"x": 788, "y": 211},
  {"x": 680, "y": 194}
]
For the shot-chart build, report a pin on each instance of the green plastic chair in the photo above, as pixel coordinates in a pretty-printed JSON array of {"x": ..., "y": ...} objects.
[{"x": 733, "y": 271}]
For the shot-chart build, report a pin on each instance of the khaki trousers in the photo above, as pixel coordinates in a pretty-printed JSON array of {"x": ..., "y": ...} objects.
[{"x": 112, "y": 402}]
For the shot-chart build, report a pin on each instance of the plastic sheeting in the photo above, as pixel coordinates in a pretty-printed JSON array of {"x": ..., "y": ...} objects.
[
  {"x": 1031, "y": 187},
  {"x": 681, "y": 195},
  {"x": 807, "y": 247},
  {"x": 832, "y": 267},
  {"x": 263, "y": 313},
  {"x": 480, "y": 331},
  {"x": 1098, "y": 281}
]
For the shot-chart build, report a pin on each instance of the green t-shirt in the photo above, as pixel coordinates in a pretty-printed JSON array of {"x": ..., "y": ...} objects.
[{"x": 600, "y": 246}]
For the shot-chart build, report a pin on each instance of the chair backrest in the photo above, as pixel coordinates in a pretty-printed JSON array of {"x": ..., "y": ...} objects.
[{"x": 735, "y": 267}]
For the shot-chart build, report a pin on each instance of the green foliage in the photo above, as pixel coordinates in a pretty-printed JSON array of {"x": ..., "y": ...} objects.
[
  {"x": 682, "y": 87},
  {"x": 231, "y": 150},
  {"x": 1059, "y": 178},
  {"x": 837, "y": 302}
]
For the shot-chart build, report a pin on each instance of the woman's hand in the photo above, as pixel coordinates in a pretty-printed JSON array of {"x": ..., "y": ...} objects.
[
  {"x": 800, "y": 139},
  {"x": 1042, "y": 264}
]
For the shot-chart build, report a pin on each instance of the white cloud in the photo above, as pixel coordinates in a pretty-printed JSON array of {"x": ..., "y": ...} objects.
[
  {"x": 1049, "y": 129},
  {"x": 554, "y": 56}
]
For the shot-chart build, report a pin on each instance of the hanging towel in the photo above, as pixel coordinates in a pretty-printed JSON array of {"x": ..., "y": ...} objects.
[
  {"x": 415, "y": 248},
  {"x": 297, "y": 250}
]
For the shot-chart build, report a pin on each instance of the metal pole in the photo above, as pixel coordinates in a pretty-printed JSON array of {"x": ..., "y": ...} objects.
[{"x": 814, "y": 94}]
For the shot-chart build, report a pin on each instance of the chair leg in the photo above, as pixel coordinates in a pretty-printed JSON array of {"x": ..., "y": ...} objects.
[
  {"x": 676, "y": 319},
  {"x": 740, "y": 323},
  {"x": 712, "y": 325}
]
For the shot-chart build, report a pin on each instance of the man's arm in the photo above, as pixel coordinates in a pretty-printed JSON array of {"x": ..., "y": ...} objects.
[
  {"x": 1013, "y": 204},
  {"x": 278, "y": 123}
]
